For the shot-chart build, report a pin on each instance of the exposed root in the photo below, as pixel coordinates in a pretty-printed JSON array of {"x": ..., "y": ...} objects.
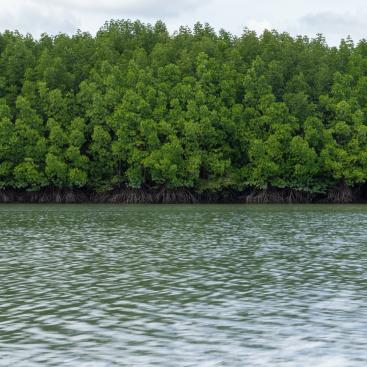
[
  {"x": 273, "y": 196},
  {"x": 138, "y": 196},
  {"x": 341, "y": 194},
  {"x": 44, "y": 196},
  {"x": 163, "y": 195}
]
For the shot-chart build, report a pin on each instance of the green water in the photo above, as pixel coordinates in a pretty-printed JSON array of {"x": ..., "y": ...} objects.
[{"x": 110, "y": 285}]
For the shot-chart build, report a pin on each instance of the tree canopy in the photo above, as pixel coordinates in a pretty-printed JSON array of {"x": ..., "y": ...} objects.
[{"x": 135, "y": 106}]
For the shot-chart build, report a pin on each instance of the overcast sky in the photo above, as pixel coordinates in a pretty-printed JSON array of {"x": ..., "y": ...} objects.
[{"x": 334, "y": 18}]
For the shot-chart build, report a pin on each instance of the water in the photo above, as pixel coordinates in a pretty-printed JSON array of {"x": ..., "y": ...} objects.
[{"x": 105, "y": 285}]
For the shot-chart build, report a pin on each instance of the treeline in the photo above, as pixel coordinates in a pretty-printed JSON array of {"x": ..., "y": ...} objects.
[{"x": 137, "y": 107}]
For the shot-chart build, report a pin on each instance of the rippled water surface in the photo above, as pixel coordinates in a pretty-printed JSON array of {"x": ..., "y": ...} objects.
[{"x": 110, "y": 285}]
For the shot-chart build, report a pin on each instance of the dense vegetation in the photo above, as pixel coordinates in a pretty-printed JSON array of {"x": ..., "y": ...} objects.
[{"x": 137, "y": 107}]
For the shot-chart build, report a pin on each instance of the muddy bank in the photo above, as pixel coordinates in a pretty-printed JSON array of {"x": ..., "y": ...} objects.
[{"x": 183, "y": 196}]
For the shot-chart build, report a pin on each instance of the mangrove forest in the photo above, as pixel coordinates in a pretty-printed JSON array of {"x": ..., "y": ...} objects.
[{"x": 138, "y": 114}]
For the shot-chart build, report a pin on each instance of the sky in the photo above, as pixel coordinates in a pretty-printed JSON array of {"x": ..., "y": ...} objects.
[{"x": 335, "y": 19}]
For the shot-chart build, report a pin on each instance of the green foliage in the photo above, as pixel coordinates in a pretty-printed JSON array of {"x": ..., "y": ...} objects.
[
  {"x": 27, "y": 175},
  {"x": 137, "y": 106}
]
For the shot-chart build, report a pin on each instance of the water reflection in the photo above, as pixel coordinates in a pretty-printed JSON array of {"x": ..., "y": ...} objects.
[{"x": 183, "y": 285}]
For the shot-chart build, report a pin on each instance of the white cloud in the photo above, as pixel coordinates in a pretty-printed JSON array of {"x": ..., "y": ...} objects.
[
  {"x": 142, "y": 8},
  {"x": 54, "y": 16},
  {"x": 136, "y": 7},
  {"x": 333, "y": 22},
  {"x": 32, "y": 18},
  {"x": 334, "y": 18},
  {"x": 334, "y": 25},
  {"x": 259, "y": 25}
]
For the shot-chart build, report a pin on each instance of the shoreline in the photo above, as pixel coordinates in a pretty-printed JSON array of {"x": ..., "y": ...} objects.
[{"x": 183, "y": 196}]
